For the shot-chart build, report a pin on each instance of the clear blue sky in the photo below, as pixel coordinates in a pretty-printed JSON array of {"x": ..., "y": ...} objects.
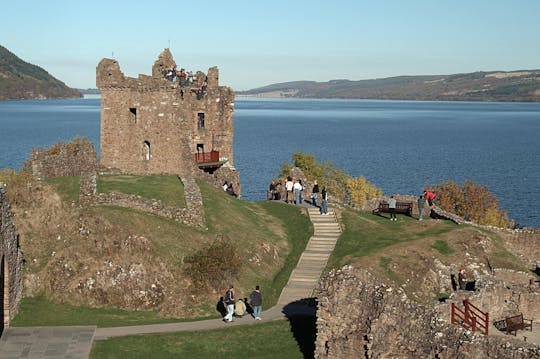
[{"x": 256, "y": 43}]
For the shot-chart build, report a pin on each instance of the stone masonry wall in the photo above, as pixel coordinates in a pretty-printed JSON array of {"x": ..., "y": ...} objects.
[
  {"x": 12, "y": 254},
  {"x": 69, "y": 159},
  {"x": 359, "y": 317},
  {"x": 191, "y": 215},
  {"x": 154, "y": 125}
]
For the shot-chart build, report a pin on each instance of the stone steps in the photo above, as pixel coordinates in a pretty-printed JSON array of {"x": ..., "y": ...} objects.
[{"x": 313, "y": 260}]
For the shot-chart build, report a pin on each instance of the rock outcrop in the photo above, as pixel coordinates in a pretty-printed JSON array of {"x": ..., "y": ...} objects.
[{"x": 359, "y": 317}]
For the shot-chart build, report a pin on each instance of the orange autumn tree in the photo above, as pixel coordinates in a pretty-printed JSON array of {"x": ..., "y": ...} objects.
[{"x": 473, "y": 202}]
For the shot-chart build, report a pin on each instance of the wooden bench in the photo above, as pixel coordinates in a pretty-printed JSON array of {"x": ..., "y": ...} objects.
[
  {"x": 401, "y": 207},
  {"x": 510, "y": 325}
]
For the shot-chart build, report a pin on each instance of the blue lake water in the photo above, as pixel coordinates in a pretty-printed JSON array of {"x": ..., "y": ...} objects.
[{"x": 401, "y": 146}]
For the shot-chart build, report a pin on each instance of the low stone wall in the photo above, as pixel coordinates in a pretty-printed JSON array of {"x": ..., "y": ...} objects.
[
  {"x": 359, "y": 317},
  {"x": 11, "y": 258},
  {"x": 69, "y": 159},
  {"x": 223, "y": 174},
  {"x": 191, "y": 215}
]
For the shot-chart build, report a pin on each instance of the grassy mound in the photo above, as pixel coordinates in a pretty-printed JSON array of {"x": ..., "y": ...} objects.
[{"x": 116, "y": 258}]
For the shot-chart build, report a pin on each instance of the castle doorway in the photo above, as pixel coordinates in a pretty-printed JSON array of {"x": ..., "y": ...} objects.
[
  {"x": 3, "y": 295},
  {"x": 146, "y": 146}
]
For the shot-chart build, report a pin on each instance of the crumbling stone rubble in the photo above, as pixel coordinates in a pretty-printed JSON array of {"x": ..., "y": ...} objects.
[{"x": 359, "y": 317}]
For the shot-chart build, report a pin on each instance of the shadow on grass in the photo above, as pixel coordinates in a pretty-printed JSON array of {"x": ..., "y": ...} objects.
[{"x": 302, "y": 316}]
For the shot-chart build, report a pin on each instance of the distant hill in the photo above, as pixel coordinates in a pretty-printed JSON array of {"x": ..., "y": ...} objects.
[
  {"x": 477, "y": 86},
  {"x": 21, "y": 80},
  {"x": 89, "y": 91}
]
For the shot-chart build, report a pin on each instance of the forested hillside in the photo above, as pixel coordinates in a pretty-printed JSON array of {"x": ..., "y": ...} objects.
[{"x": 22, "y": 80}]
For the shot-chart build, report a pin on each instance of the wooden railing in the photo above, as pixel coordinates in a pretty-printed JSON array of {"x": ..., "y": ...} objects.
[
  {"x": 471, "y": 317},
  {"x": 207, "y": 157}
]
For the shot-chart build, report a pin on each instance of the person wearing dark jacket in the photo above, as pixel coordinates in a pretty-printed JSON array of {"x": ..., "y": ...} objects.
[
  {"x": 256, "y": 303},
  {"x": 315, "y": 194}
]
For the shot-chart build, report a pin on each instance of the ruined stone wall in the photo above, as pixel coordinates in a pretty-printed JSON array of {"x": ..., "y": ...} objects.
[
  {"x": 191, "y": 215},
  {"x": 69, "y": 159},
  {"x": 359, "y": 317},
  {"x": 152, "y": 125},
  {"x": 223, "y": 174},
  {"x": 12, "y": 256}
]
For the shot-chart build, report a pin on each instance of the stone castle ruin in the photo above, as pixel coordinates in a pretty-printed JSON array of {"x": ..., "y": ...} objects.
[
  {"x": 172, "y": 121},
  {"x": 11, "y": 264}
]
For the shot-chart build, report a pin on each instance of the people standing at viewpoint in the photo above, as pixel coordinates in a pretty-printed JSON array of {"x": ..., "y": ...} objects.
[
  {"x": 314, "y": 193},
  {"x": 421, "y": 204},
  {"x": 392, "y": 207},
  {"x": 256, "y": 302},
  {"x": 430, "y": 196},
  {"x": 324, "y": 203},
  {"x": 297, "y": 192},
  {"x": 289, "y": 188}
]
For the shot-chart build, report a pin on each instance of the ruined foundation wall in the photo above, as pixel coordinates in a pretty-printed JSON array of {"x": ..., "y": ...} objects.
[
  {"x": 359, "y": 317},
  {"x": 13, "y": 260},
  {"x": 191, "y": 215},
  {"x": 69, "y": 159}
]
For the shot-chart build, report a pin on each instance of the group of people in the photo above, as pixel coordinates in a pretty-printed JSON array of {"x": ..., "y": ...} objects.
[
  {"x": 228, "y": 188},
  {"x": 241, "y": 307},
  {"x": 426, "y": 196},
  {"x": 186, "y": 79},
  {"x": 294, "y": 193}
]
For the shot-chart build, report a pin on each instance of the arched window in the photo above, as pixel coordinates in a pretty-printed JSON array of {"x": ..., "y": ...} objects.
[{"x": 146, "y": 150}]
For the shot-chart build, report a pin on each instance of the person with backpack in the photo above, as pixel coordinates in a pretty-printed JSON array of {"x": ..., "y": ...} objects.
[{"x": 229, "y": 302}]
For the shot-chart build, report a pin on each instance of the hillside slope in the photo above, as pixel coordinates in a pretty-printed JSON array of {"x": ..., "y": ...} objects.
[
  {"x": 477, "y": 86},
  {"x": 21, "y": 80},
  {"x": 106, "y": 256}
]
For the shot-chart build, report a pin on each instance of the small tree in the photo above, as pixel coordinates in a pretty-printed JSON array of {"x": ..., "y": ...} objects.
[
  {"x": 361, "y": 190},
  {"x": 473, "y": 202},
  {"x": 325, "y": 173}
]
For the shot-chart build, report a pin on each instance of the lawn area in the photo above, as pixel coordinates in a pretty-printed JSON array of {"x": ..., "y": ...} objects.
[
  {"x": 168, "y": 189},
  {"x": 276, "y": 339},
  {"x": 365, "y": 234},
  {"x": 39, "y": 311},
  {"x": 251, "y": 226},
  {"x": 66, "y": 187}
]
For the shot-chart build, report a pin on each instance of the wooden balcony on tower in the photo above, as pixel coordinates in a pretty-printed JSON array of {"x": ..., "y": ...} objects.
[{"x": 208, "y": 160}]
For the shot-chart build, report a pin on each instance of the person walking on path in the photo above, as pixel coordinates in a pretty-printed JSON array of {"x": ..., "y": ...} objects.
[
  {"x": 229, "y": 301},
  {"x": 315, "y": 194},
  {"x": 421, "y": 204},
  {"x": 297, "y": 192},
  {"x": 392, "y": 207},
  {"x": 324, "y": 203},
  {"x": 256, "y": 302}
]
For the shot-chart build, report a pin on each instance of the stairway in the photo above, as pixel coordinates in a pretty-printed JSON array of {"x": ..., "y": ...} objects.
[{"x": 313, "y": 260}]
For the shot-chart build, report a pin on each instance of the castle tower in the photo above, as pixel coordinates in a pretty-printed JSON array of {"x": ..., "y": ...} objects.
[{"x": 164, "y": 123}]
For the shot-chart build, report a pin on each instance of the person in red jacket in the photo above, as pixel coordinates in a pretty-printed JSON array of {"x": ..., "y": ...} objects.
[{"x": 430, "y": 196}]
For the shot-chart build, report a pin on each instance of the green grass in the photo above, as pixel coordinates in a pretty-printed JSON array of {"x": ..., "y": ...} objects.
[
  {"x": 262, "y": 340},
  {"x": 39, "y": 311},
  {"x": 299, "y": 229},
  {"x": 365, "y": 234},
  {"x": 442, "y": 247},
  {"x": 168, "y": 189},
  {"x": 240, "y": 221},
  {"x": 66, "y": 187}
]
